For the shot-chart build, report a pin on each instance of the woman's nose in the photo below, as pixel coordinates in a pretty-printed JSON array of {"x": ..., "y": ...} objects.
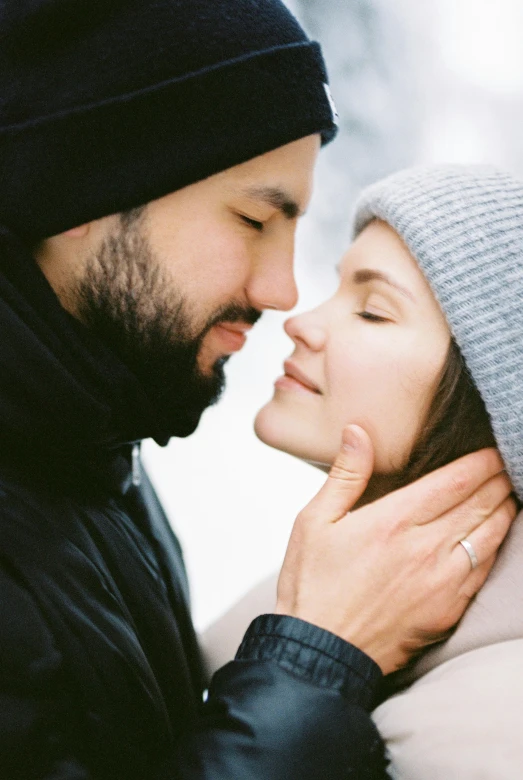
[{"x": 306, "y": 329}]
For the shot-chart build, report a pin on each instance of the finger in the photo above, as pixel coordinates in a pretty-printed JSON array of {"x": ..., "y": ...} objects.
[
  {"x": 476, "y": 577},
  {"x": 487, "y": 537},
  {"x": 473, "y": 581},
  {"x": 436, "y": 493},
  {"x": 347, "y": 478},
  {"x": 470, "y": 514}
]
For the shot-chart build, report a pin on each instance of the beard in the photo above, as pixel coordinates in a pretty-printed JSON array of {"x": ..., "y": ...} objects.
[{"x": 126, "y": 298}]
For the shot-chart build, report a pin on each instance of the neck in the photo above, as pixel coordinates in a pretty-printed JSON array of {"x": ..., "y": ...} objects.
[{"x": 377, "y": 487}]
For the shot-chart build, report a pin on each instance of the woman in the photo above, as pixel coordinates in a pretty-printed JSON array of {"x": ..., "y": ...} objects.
[{"x": 422, "y": 345}]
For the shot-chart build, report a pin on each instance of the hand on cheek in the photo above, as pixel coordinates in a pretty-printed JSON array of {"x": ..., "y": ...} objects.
[{"x": 392, "y": 576}]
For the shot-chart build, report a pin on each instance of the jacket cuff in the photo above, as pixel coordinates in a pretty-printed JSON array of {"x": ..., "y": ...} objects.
[{"x": 313, "y": 654}]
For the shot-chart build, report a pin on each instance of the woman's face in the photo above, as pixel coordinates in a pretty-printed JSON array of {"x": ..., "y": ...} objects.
[{"x": 372, "y": 355}]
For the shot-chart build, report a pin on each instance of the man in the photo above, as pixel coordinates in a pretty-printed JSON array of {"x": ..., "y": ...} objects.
[{"x": 116, "y": 318}]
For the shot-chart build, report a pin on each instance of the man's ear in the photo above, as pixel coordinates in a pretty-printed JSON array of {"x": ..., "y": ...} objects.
[{"x": 77, "y": 232}]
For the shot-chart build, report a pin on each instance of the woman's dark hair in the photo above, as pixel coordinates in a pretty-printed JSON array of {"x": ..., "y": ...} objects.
[{"x": 457, "y": 423}]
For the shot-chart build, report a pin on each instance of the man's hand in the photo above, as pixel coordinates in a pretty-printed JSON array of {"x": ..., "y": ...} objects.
[{"x": 392, "y": 576}]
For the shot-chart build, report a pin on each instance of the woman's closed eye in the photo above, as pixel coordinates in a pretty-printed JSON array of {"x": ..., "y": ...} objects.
[{"x": 371, "y": 317}]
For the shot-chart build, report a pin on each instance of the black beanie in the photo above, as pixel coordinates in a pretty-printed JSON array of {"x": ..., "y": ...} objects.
[{"x": 108, "y": 104}]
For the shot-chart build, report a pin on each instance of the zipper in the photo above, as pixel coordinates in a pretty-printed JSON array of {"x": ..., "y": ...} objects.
[{"x": 136, "y": 466}]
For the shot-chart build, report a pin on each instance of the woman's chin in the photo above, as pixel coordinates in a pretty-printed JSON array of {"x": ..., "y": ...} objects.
[
  {"x": 266, "y": 427},
  {"x": 318, "y": 464},
  {"x": 275, "y": 427}
]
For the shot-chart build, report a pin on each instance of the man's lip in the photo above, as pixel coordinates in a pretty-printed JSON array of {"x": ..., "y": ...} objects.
[
  {"x": 232, "y": 335},
  {"x": 294, "y": 372},
  {"x": 236, "y": 327}
]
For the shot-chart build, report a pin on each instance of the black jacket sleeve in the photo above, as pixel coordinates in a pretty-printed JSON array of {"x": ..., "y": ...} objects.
[
  {"x": 34, "y": 714},
  {"x": 293, "y": 704}
]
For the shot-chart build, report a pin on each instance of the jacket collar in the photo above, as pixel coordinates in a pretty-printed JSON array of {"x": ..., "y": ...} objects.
[{"x": 66, "y": 401}]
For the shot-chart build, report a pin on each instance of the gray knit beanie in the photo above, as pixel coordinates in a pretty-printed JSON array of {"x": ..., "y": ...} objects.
[{"x": 464, "y": 226}]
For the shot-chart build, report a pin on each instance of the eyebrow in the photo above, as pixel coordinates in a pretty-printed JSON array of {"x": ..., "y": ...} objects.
[
  {"x": 277, "y": 198},
  {"x": 364, "y": 275}
]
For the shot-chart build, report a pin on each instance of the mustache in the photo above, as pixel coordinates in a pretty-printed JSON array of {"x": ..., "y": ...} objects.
[{"x": 235, "y": 312}]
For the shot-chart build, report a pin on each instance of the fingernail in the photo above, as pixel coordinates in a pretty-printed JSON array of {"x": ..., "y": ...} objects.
[{"x": 350, "y": 439}]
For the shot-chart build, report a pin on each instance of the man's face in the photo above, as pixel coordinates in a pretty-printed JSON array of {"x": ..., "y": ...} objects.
[
  {"x": 230, "y": 239},
  {"x": 174, "y": 288}
]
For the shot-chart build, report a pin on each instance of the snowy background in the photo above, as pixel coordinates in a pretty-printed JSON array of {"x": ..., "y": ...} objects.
[{"x": 414, "y": 81}]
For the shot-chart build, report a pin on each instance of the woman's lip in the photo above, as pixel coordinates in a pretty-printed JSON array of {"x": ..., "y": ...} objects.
[
  {"x": 294, "y": 378},
  {"x": 287, "y": 382}
]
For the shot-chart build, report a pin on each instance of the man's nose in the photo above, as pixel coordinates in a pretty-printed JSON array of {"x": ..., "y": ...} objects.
[{"x": 272, "y": 284}]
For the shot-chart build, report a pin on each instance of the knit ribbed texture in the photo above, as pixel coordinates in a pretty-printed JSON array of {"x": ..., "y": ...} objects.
[{"x": 464, "y": 227}]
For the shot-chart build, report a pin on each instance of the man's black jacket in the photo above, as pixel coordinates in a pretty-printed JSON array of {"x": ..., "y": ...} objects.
[{"x": 100, "y": 673}]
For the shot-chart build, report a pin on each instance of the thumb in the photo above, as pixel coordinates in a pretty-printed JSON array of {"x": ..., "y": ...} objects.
[{"x": 347, "y": 478}]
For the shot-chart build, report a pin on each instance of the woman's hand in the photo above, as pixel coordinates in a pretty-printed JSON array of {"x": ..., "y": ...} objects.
[{"x": 392, "y": 576}]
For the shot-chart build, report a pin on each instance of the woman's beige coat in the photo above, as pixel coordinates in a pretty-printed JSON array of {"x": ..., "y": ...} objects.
[{"x": 461, "y": 717}]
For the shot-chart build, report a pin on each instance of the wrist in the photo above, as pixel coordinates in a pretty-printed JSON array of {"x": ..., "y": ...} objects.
[{"x": 314, "y": 654}]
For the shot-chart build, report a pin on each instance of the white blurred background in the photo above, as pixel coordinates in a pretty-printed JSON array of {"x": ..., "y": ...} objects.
[{"x": 414, "y": 81}]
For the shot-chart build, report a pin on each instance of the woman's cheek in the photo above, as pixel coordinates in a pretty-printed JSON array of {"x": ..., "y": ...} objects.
[
  {"x": 379, "y": 390},
  {"x": 356, "y": 394},
  {"x": 415, "y": 386}
]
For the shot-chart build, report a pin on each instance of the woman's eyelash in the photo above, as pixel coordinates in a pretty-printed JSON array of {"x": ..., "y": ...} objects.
[
  {"x": 367, "y": 315},
  {"x": 254, "y": 223}
]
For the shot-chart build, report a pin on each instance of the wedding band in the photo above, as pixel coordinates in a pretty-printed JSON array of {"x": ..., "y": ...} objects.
[{"x": 470, "y": 552}]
